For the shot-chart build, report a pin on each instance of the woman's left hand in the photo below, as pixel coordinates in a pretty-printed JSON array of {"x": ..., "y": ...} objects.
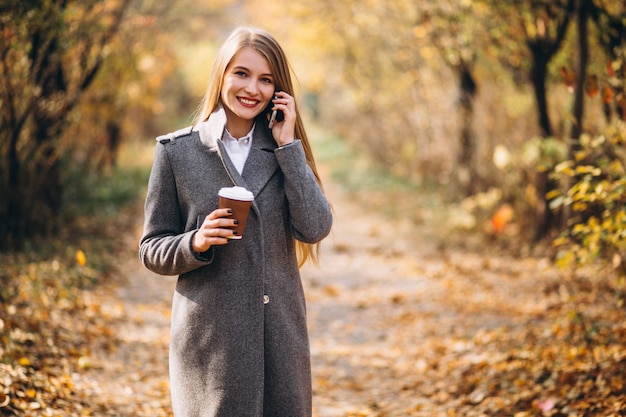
[{"x": 284, "y": 131}]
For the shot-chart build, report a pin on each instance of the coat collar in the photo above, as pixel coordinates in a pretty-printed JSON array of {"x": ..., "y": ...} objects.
[{"x": 261, "y": 163}]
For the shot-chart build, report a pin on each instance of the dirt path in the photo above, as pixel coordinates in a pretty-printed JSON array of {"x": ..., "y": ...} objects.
[
  {"x": 392, "y": 315},
  {"x": 394, "y": 322},
  {"x": 132, "y": 380}
]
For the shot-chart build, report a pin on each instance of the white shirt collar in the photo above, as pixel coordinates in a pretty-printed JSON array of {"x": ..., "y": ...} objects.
[
  {"x": 238, "y": 149},
  {"x": 247, "y": 137}
]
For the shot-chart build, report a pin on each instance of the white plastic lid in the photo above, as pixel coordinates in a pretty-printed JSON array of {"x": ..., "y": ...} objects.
[{"x": 236, "y": 193}]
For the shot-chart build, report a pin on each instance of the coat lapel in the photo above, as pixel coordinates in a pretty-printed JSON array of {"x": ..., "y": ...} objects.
[
  {"x": 261, "y": 163},
  {"x": 212, "y": 129}
]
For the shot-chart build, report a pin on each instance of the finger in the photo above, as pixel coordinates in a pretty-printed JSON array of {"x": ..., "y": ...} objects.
[
  {"x": 219, "y": 213},
  {"x": 288, "y": 102},
  {"x": 221, "y": 227},
  {"x": 223, "y": 223},
  {"x": 217, "y": 236},
  {"x": 223, "y": 233},
  {"x": 205, "y": 238},
  {"x": 283, "y": 98},
  {"x": 282, "y": 95}
]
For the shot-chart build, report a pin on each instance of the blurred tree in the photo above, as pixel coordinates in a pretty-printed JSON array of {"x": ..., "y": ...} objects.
[
  {"x": 391, "y": 73},
  {"x": 451, "y": 26},
  {"x": 608, "y": 17},
  {"x": 584, "y": 8},
  {"x": 542, "y": 26},
  {"x": 125, "y": 97},
  {"x": 50, "y": 53},
  {"x": 376, "y": 85},
  {"x": 595, "y": 198},
  {"x": 76, "y": 77},
  {"x": 611, "y": 34}
]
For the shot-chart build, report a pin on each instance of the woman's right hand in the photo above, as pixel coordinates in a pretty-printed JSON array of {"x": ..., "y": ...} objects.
[{"x": 214, "y": 230}]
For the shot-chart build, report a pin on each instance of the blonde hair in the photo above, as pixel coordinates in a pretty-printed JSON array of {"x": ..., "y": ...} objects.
[{"x": 264, "y": 43}]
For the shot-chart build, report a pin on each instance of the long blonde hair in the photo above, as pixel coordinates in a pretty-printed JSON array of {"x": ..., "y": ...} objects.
[{"x": 264, "y": 43}]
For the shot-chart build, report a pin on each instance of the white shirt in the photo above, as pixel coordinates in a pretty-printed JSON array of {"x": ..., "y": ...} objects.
[{"x": 238, "y": 149}]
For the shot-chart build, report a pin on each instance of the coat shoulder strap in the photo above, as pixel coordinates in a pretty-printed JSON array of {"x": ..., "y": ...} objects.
[{"x": 171, "y": 137}]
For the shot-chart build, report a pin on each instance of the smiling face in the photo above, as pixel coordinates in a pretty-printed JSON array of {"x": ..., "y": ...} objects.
[{"x": 247, "y": 89}]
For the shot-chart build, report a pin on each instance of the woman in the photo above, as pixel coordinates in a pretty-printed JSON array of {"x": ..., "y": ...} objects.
[{"x": 239, "y": 343}]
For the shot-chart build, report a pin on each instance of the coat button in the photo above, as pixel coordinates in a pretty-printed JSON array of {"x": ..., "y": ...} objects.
[{"x": 266, "y": 299}]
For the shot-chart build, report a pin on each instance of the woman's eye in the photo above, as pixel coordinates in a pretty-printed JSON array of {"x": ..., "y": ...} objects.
[
  {"x": 240, "y": 73},
  {"x": 267, "y": 80}
]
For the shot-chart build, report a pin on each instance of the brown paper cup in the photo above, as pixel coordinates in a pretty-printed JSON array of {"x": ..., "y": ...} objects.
[{"x": 240, "y": 209}]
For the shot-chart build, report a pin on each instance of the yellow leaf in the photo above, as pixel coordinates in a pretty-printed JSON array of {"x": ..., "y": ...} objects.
[
  {"x": 560, "y": 241},
  {"x": 550, "y": 195},
  {"x": 81, "y": 259},
  {"x": 84, "y": 362},
  {"x": 24, "y": 361}
]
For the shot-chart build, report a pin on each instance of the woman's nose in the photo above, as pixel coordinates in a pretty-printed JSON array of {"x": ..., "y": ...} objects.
[{"x": 252, "y": 87}]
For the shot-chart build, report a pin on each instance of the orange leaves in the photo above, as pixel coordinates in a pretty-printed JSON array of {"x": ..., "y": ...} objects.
[
  {"x": 37, "y": 392},
  {"x": 569, "y": 78},
  {"x": 612, "y": 86},
  {"x": 501, "y": 218},
  {"x": 46, "y": 327},
  {"x": 620, "y": 101},
  {"x": 607, "y": 94},
  {"x": 591, "y": 86},
  {"x": 610, "y": 70},
  {"x": 4, "y": 399}
]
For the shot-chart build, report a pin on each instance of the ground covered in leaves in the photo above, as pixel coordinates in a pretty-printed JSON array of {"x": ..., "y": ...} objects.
[{"x": 403, "y": 322}]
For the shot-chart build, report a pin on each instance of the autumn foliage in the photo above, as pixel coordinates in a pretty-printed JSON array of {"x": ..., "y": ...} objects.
[
  {"x": 49, "y": 329},
  {"x": 497, "y": 128}
]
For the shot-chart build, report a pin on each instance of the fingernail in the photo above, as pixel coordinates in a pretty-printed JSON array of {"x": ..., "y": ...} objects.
[
  {"x": 236, "y": 221},
  {"x": 234, "y": 232},
  {"x": 230, "y": 211}
]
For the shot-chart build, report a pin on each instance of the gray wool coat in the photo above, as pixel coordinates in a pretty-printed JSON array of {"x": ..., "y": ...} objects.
[{"x": 239, "y": 343}]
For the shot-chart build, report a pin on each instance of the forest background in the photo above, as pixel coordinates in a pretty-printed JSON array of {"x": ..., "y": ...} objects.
[{"x": 509, "y": 115}]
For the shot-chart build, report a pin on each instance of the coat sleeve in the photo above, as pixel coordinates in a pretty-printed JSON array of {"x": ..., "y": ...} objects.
[
  {"x": 165, "y": 246},
  {"x": 309, "y": 211}
]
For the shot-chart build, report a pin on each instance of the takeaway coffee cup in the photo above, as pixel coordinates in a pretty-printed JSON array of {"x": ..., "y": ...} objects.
[{"x": 239, "y": 200}]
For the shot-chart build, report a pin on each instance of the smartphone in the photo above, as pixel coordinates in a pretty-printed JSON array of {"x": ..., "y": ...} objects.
[{"x": 277, "y": 116}]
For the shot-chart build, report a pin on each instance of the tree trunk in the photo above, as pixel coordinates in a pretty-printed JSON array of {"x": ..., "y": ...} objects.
[
  {"x": 543, "y": 214},
  {"x": 583, "y": 60},
  {"x": 539, "y": 73},
  {"x": 46, "y": 94},
  {"x": 470, "y": 181},
  {"x": 578, "y": 111},
  {"x": 14, "y": 201},
  {"x": 542, "y": 50}
]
